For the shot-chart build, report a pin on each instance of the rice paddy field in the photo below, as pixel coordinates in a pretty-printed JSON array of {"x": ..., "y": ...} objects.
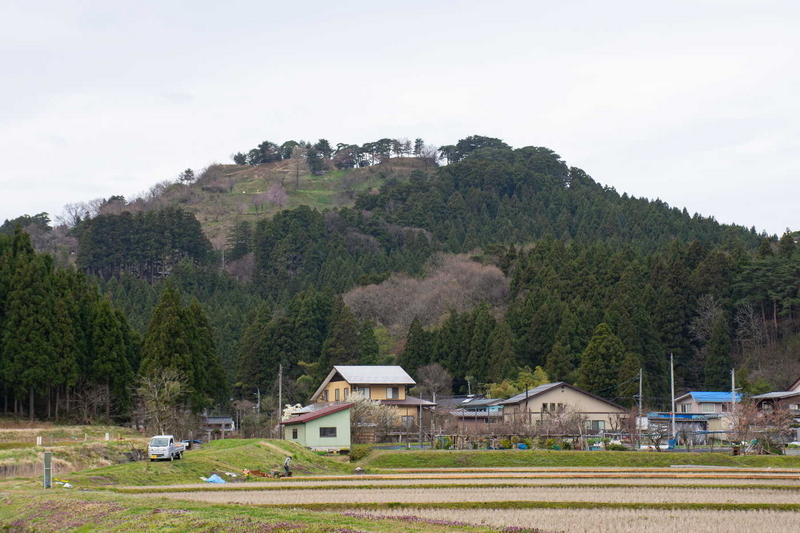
[{"x": 697, "y": 498}]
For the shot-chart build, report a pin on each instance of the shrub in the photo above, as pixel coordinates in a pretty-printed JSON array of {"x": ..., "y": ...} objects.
[
  {"x": 505, "y": 444},
  {"x": 359, "y": 451},
  {"x": 616, "y": 448},
  {"x": 566, "y": 445},
  {"x": 444, "y": 443}
]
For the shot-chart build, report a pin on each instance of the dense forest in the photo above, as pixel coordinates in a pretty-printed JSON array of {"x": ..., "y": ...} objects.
[{"x": 568, "y": 275}]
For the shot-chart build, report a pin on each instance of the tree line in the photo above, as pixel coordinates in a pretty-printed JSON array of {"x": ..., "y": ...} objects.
[
  {"x": 321, "y": 155},
  {"x": 67, "y": 351}
]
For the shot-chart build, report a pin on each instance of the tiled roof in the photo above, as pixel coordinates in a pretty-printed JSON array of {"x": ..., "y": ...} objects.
[{"x": 319, "y": 413}]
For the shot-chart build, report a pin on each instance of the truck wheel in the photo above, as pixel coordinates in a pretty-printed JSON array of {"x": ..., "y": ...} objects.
[
  {"x": 151, "y": 460},
  {"x": 171, "y": 457},
  {"x": 180, "y": 455}
]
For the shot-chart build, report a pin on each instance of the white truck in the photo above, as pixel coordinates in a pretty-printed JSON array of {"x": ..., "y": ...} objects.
[{"x": 165, "y": 447}]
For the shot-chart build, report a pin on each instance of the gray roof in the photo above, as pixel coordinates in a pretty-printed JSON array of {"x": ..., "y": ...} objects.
[
  {"x": 532, "y": 392},
  {"x": 367, "y": 375},
  {"x": 778, "y": 395},
  {"x": 547, "y": 386},
  {"x": 375, "y": 375}
]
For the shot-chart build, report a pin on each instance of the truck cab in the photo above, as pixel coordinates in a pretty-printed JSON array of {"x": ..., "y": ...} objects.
[{"x": 164, "y": 447}]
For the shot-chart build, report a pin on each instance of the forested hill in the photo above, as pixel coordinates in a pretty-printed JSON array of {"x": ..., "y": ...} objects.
[{"x": 556, "y": 271}]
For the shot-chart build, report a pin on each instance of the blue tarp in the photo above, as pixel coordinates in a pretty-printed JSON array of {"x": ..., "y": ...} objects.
[{"x": 213, "y": 478}]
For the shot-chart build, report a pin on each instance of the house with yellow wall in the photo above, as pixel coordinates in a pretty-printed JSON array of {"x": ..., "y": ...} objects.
[{"x": 388, "y": 384}]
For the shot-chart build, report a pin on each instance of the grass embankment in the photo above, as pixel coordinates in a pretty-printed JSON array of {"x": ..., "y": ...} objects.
[
  {"x": 218, "y": 457},
  {"x": 62, "y": 510},
  {"x": 551, "y": 458}
]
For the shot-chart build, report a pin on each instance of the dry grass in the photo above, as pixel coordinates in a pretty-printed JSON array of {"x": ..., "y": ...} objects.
[
  {"x": 450, "y": 495},
  {"x": 617, "y": 520}
]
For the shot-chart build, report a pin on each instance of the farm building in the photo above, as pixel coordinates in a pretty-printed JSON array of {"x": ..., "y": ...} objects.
[{"x": 322, "y": 429}]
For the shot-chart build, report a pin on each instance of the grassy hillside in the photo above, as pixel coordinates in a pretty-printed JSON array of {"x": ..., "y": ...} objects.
[
  {"x": 220, "y": 456},
  {"x": 225, "y": 193},
  {"x": 545, "y": 458}
]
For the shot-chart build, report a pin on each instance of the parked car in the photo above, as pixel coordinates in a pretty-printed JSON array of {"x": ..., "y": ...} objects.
[{"x": 164, "y": 447}]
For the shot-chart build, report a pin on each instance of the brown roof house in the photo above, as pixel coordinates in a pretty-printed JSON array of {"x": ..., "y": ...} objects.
[{"x": 323, "y": 429}]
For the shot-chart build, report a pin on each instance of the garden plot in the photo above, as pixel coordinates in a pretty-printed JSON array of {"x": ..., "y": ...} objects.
[
  {"x": 451, "y": 495},
  {"x": 607, "y": 520}
]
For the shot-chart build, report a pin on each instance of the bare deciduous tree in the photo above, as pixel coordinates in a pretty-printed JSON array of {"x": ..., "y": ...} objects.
[
  {"x": 298, "y": 165},
  {"x": 455, "y": 282},
  {"x": 368, "y": 416},
  {"x": 429, "y": 154},
  {"x": 277, "y": 195},
  {"x": 709, "y": 309},
  {"x": 434, "y": 380},
  {"x": 348, "y": 184},
  {"x": 751, "y": 333},
  {"x": 159, "y": 399}
]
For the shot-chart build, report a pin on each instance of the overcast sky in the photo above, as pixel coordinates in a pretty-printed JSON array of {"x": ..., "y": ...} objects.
[{"x": 696, "y": 103}]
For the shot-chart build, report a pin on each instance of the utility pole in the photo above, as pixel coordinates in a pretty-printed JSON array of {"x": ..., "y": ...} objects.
[
  {"x": 672, "y": 389},
  {"x": 639, "y": 420},
  {"x": 280, "y": 400},
  {"x": 733, "y": 389}
]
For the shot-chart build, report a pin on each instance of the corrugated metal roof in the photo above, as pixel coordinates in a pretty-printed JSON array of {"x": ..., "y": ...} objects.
[
  {"x": 319, "y": 413},
  {"x": 410, "y": 400},
  {"x": 531, "y": 392},
  {"x": 375, "y": 375},
  {"x": 714, "y": 397},
  {"x": 779, "y": 394}
]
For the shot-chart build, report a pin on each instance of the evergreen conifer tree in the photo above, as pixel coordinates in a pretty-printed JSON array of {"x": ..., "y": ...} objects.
[
  {"x": 599, "y": 369},
  {"x": 417, "y": 352},
  {"x": 502, "y": 363},
  {"x": 719, "y": 362},
  {"x": 165, "y": 343},
  {"x": 369, "y": 345}
]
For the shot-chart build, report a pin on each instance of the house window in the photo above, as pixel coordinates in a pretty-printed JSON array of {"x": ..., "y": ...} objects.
[
  {"x": 346, "y": 392},
  {"x": 407, "y": 421},
  {"x": 392, "y": 393},
  {"x": 686, "y": 408},
  {"x": 327, "y": 432},
  {"x": 544, "y": 407},
  {"x": 552, "y": 407},
  {"x": 336, "y": 394},
  {"x": 707, "y": 407},
  {"x": 294, "y": 434},
  {"x": 325, "y": 396},
  {"x": 595, "y": 426},
  {"x": 364, "y": 391}
]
